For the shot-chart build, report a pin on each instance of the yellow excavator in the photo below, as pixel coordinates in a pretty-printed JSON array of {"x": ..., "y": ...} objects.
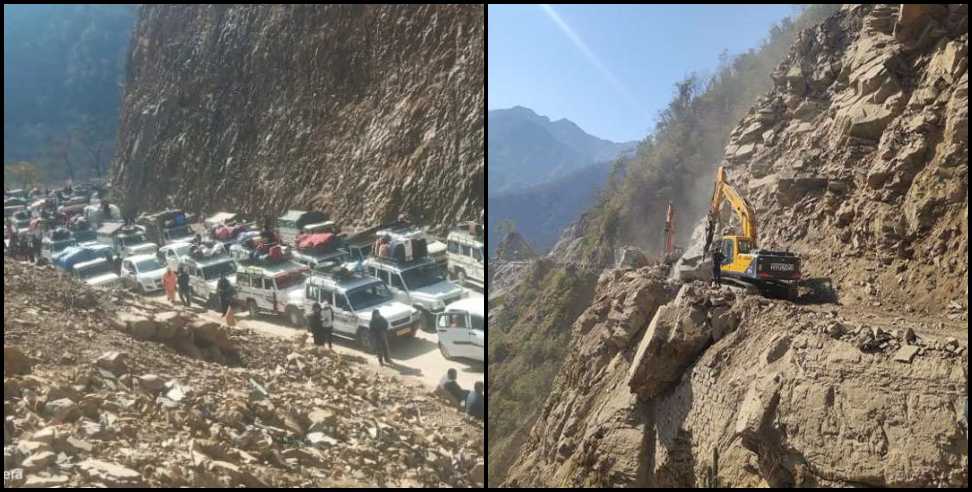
[{"x": 773, "y": 273}]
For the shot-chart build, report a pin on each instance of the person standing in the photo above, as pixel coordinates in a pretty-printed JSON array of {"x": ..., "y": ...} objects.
[
  {"x": 327, "y": 325},
  {"x": 717, "y": 267},
  {"x": 224, "y": 290},
  {"x": 185, "y": 293},
  {"x": 169, "y": 282},
  {"x": 379, "y": 337},
  {"x": 316, "y": 325}
]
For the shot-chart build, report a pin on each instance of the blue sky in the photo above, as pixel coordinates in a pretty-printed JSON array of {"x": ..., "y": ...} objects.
[{"x": 611, "y": 68}]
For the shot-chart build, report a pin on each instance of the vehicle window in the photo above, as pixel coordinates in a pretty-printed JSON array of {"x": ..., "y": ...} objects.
[
  {"x": 453, "y": 247},
  {"x": 368, "y": 296},
  {"x": 341, "y": 302},
  {"x": 327, "y": 296},
  {"x": 727, "y": 252},
  {"x": 289, "y": 280},
  {"x": 148, "y": 265},
  {"x": 423, "y": 276},
  {"x": 383, "y": 276},
  {"x": 396, "y": 282},
  {"x": 477, "y": 323},
  {"x": 466, "y": 251},
  {"x": 457, "y": 321},
  {"x": 478, "y": 254},
  {"x": 214, "y": 272},
  {"x": 744, "y": 247},
  {"x": 268, "y": 284},
  {"x": 128, "y": 267}
]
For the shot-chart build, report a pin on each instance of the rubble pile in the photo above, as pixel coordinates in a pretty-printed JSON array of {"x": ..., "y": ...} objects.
[
  {"x": 146, "y": 397},
  {"x": 721, "y": 388}
]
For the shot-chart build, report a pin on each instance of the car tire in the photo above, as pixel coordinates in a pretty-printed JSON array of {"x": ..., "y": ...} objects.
[
  {"x": 427, "y": 322},
  {"x": 445, "y": 354},
  {"x": 251, "y": 305}
]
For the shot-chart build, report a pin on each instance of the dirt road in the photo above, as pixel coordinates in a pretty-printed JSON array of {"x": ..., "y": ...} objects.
[{"x": 418, "y": 359}]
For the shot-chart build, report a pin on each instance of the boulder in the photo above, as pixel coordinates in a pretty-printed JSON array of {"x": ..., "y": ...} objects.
[
  {"x": 864, "y": 120},
  {"x": 145, "y": 329},
  {"x": 110, "y": 474},
  {"x": 115, "y": 362},
  {"x": 38, "y": 462},
  {"x": 675, "y": 337},
  {"x": 63, "y": 410},
  {"x": 15, "y": 362},
  {"x": 212, "y": 333}
]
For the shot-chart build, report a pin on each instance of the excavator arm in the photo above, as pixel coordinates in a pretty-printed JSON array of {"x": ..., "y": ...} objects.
[{"x": 747, "y": 217}]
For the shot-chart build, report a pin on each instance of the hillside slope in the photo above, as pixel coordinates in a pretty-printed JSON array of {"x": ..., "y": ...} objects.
[
  {"x": 857, "y": 159},
  {"x": 365, "y": 111}
]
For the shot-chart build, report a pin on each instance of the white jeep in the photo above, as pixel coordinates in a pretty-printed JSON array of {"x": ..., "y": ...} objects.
[
  {"x": 353, "y": 299},
  {"x": 267, "y": 288},
  {"x": 421, "y": 284},
  {"x": 204, "y": 275},
  {"x": 466, "y": 260}
]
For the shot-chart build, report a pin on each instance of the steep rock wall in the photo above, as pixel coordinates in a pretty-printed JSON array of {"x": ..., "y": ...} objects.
[{"x": 365, "y": 111}]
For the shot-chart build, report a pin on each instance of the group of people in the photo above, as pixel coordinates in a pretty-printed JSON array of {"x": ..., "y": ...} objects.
[
  {"x": 173, "y": 282},
  {"x": 473, "y": 403},
  {"x": 25, "y": 247}
]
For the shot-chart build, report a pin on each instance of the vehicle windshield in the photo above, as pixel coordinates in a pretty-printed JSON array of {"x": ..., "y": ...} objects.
[
  {"x": 214, "y": 272},
  {"x": 131, "y": 240},
  {"x": 423, "y": 276},
  {"x": 744, "y": 247},
  {"x": 148, "y": 265},
  {"x": 95, "y": 270},
  {"x": 369, "y": 296},
  {"x": 289, "y": 280}
]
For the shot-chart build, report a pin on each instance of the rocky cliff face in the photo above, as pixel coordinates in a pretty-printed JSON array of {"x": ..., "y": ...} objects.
[
  {"x": 365, "y": 111},
  {"x": 858, "y": 161}
]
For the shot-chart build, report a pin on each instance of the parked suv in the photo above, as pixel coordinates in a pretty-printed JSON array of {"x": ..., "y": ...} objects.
[
  {"x": 204, "y": 275},
  {"x": 466, "y": 260},
  {"x": 421, "y": 284},
  {"x": 353, "y": 299},
  {"x": 267, "y": 288},
  {"x": 97, "y": 273}
]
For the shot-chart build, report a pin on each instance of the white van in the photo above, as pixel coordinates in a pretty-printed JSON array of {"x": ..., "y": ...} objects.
[{"x": 462, "y": 330}]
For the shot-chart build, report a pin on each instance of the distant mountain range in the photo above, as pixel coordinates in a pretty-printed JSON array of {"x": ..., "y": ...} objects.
[
  {"x": 526, "y": 149},
  {"x": 543, "y": 174}
]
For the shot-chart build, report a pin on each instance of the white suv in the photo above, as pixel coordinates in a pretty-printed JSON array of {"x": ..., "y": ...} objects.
[
  {"x": 353, "y": 300},
  {"x": 421, "y": 284},
  {"x": 142, "y": 273},
  {"x": 466, "y": 260},
  {"x": 97, "y": 273},
  {"x": 267, "y": 288},
  {"x": 204, "y": 275}
]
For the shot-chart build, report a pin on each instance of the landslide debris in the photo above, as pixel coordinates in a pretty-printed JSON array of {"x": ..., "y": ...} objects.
[
  {"x": 88, "y": 401},
  {"x": 723, "y": 388}
]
